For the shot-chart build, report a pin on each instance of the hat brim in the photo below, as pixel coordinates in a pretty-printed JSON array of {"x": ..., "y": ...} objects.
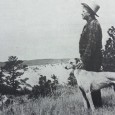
[{"x": 85, "y": 5}]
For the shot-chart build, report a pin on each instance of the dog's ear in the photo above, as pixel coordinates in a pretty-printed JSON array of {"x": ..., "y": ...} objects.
[{"x": 77, "y": 60}]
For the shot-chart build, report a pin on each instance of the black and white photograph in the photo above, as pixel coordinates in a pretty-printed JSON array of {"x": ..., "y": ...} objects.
[{"x": 57, "y": 57}]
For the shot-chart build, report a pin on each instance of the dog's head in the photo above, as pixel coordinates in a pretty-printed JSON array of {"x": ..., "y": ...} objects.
[{"x": 72, "y": 63}]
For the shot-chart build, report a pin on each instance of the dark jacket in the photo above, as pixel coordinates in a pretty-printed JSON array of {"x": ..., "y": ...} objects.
[{"x": 90, "y": 46}]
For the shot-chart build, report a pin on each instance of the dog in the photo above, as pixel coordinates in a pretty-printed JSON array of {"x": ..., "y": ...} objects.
[{"x": 89, "y": 81}]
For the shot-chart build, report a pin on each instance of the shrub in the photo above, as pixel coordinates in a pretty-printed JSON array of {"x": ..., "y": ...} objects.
[
  {"x": 109, "y": 52},
  {"x": 45, "y": 87}
]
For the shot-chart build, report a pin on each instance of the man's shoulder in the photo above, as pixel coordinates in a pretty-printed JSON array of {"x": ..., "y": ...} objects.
[{"x": 94, "y": 24}]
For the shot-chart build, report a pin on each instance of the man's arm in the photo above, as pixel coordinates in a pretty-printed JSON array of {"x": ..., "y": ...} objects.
[{"x": 92, "y": 41}]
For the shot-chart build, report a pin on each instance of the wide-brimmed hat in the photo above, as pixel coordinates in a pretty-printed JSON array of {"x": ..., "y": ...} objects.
[{"x": 92, "y": 6}]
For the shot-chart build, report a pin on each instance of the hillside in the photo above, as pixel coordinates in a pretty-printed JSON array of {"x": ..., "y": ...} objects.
[
  {"x": 46, "y": 67},
  {"x": 41, "y": 61},
  {"x": 58, "y": 69},
  {"x": 44, "y": 61}
]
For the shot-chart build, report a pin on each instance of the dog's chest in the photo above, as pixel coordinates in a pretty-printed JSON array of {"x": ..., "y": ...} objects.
[{"x": 83, "y": 79}]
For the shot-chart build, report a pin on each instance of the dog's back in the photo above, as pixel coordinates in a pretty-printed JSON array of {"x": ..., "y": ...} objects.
[{"x": 94, "y": 80}]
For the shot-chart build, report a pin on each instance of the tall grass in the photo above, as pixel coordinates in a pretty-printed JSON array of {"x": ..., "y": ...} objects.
[{"x": 65, "y": 101}]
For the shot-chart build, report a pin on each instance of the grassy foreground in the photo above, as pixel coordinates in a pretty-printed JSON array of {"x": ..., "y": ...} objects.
[{"x": 67, "y": 101}]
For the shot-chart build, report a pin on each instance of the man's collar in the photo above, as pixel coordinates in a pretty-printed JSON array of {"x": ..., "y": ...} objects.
[{"x": 90, "y": 19}]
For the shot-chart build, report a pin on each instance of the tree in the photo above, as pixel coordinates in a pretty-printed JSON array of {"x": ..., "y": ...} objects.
[
  {"x": 54, "y": 82},
  {"x": 72, "y": 80},
  {"x": 13, "y": 70},
  {"x": 2, "y": 79},
  {"x": 109, "y": 52},
  {"x": 45, "y": 87},
  {"x": 42, "y": 85}
]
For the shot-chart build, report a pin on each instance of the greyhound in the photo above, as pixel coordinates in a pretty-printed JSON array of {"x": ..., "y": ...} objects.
[{"x": 89, "y": 81}]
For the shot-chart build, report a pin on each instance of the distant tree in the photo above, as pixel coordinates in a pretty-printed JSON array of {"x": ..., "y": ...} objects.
[
  {"x": 42, "y": 88},
  {"x": 109, "y": 52},
  {"x": 13, "y": 70},
  {"x": 45, "y": 87},
  {"x": 72, "y": 80},
  {"x": 35, "y": 91},
  {"x": 42, "y": 84},
  {"x": 54, "y": 82},
  {"x": 2, "y": 77},
  {"x": 24, "y": 91}
]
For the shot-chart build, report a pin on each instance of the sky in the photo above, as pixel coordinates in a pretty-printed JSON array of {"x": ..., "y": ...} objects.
[{"x": 42, "y": 29}]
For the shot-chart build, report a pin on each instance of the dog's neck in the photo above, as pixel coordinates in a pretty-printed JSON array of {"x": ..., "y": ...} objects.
[{"x": 78, "y": 71}]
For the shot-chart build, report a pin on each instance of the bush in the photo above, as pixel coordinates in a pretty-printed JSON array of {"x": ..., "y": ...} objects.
[
  {"x": 45, "y": 87},
  {"x": 72, "y": 80},
  {"x": 109, "y": 52}
]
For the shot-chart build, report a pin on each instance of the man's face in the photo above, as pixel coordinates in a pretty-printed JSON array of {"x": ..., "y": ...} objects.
[{"x": 85, "y": 14}]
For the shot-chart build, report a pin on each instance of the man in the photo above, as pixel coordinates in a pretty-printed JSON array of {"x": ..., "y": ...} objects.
[{"x": 90, "y": 44}]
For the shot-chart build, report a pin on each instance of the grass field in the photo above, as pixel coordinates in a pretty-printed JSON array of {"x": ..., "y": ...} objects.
[{"x": 66, "y": 101}]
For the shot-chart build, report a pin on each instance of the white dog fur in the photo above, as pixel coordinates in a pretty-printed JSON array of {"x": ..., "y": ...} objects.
[{"x": 89, "y": 81}]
